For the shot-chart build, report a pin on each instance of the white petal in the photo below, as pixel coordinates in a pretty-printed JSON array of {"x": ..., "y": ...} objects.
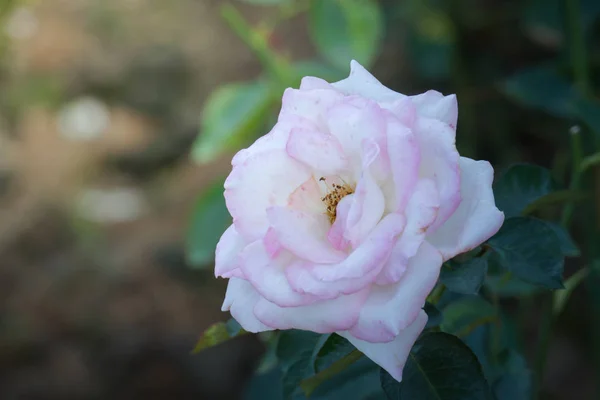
[
  {"x": 433, "y": 104},
  {"x": 362, "y": 83},
  {"x": 477, "y": 218},
  {"x": 391, "y": 356},
  {"x": 226, "y": 254},
  {"x": 240, "y": 300},
  {"x": 391, "y": 308},
  {"x": 261, "y": 181}
]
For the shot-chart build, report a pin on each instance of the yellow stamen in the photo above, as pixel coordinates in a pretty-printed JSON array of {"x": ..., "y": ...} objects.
[{"x": 333, "y": 197}]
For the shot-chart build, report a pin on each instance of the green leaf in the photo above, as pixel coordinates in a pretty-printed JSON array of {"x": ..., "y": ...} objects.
[
  {"x": 232, "y": 115},
  {"x": 343, "y": 30},
  {"x": 515, "y": 382},
  {"x": 463, "y": 316},
  {"x": 295, "y": 351},
  {"x": 547, "y": 15},
  {"x": 333, "y": 348},
  {"x": 359, "y": 381},
  {"x": 210, "y": 218},
  {"x": 521, "y": 185},
  {"x": 530, "y": 250},
  {"x": 554, "y": 198},
  {"x": 567, "y": 245},
  {"x": 217, "y": 334},
  {"x": 480, "y": 342},
  {"x": 542, "y": 88},
  {"x": 435, "y": 316},
  {"x": 265, "y": 386},
  {"x": 440, "y": 367},
  {"x": 233, "y": 327},
  {"x": 510, "y": 287},
  {"x": 465, "y": 278}
]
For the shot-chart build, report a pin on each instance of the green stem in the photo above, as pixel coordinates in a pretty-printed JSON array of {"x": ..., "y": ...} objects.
[
  {"x": 545, "y": 332},
  {"x": 581, "y": 76},
  {"x": 310, "y": 384},
  {"x": 577, "y": 157},
  {"x": 437, "y": 293},
  {"x": 579, "y": 58},
  {"x": 274, "y": 64}
]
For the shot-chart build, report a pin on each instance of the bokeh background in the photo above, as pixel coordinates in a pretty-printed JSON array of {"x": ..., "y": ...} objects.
[{"x": 118, "y": 119}]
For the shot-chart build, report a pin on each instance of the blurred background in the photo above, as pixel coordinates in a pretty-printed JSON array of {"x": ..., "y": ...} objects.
[{"x": 118, "y": 120}]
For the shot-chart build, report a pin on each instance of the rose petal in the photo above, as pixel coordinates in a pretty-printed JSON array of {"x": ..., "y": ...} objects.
[
  {"x": 404, "y": 110},
  {"x": 433, "y": 104},
  {"x": 420, "y": 214},
  {"x": 361, "y": 82},
  {"x": 353, "y": 120},
  {"x": 308, "y": 104},
  {"x": 322, "y": 317},
  {"x": 268, "y": 278},
  {"x": 263, "y": 180},
  {"x": 477, "y": 218},
  {"x": 404, "y": 154},
  {"x": 302, "y": 281},
  {"x": 275, "y": 139},
  {"x": 336, "y": 232},
  {"x": 307, "y": 197},
  {"x": 311, "y": 82},
  {"x": 391, "y": 356},
  {"x": 303, "y": 234},
  {"x": 439, "y": 160},
  {"x": 322, "y": 152},
  {"x": 226, "y": 254},
  {"x": 369, "y": 256},
  {"x": 368, "y": 202},
  {"x": 391, "y": 308},
  {"x": 240, "y": 300}
]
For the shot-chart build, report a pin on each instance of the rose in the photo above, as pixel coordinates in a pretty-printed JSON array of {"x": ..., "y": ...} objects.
[{"x": 345, "y": 211}]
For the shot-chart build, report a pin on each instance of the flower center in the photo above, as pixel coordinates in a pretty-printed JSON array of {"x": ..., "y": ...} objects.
[{"x": 333, "y": 197}]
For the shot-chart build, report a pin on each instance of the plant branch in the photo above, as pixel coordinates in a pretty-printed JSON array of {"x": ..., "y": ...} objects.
[{"x": 310, "y": 384}]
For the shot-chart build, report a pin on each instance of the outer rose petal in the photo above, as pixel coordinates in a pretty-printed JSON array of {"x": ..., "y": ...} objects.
[
  {"x": 263, "y": 180},
  {"x": 226, "y": 255},
  {"x": 477, "y": 218},
  {"x": 275, "y": 139},
  {"x": 391, "y": 356},
  {"x": 303, "y": 234},
  {"x": 433, "y": 104},
  {"x": 311, "y": 82},
  {"x": 391, "y": 308},
  {"x": 439, "y": 160},
  {"x": 308, "y": 104},
  {"x": 420, "y": 213},
  {"x": 324, "y": 317},
  {"x": 240, "y": 300},
  {"x": 318, "y": 150},
  {"x": 268, "y": 278},
  {"x": 362, "y": 83}
]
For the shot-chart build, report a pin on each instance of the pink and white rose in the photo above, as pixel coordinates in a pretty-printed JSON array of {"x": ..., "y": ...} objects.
[{"x": 345, "y": 211}]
